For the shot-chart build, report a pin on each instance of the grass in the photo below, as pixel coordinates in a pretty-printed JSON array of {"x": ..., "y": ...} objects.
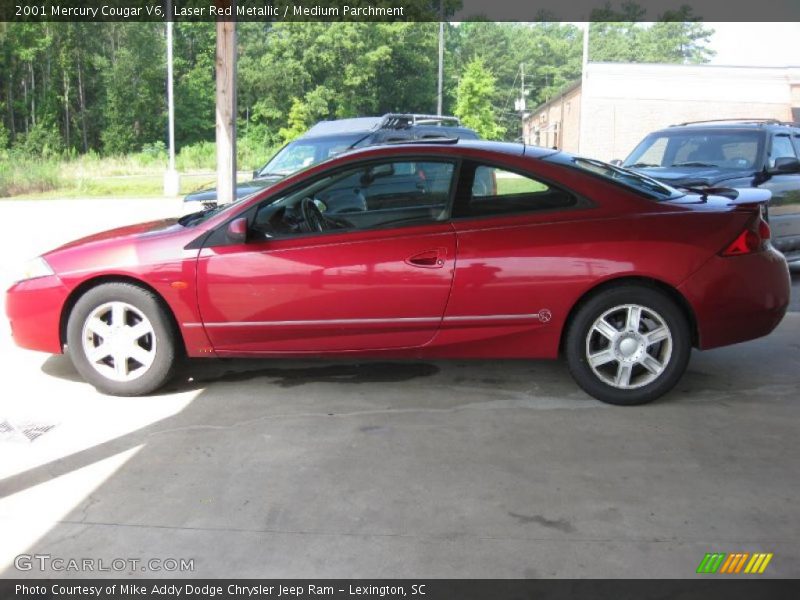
[
  {"x": 138, "y": 174},
  {"x": 25, "y": 177},
  {"x": 518, "y": 185},
  {"x": 119, "y": 186}
]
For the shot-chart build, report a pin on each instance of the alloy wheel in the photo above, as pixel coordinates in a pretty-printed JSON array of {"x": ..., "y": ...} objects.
[{"x": 629, "y": 346}]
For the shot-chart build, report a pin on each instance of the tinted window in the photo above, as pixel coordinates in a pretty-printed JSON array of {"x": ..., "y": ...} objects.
[
  {"x": 382, "y": 194},
  {"x": 781, "y": 148},
  {"x": 496, "y": 191}
]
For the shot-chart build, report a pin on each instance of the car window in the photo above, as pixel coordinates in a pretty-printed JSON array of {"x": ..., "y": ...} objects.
[
  {"x": 781, "y": 148},
  {"x": 376, "y": 195},
  {"x": 682, "y": 148},
  {"x": 497, "y": 191},
  {"x": 653, "y": 155},
  {"x": 304, "y": 153}
]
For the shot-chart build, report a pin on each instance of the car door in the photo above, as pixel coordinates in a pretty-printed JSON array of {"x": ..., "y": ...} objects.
[
  {"x": 511, "y": 230},
  {"x": 784, "y": 207},
  {"x": 379, "y": 277}
]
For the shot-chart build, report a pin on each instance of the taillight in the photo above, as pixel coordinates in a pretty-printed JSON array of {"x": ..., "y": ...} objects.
[{"x": 752, "y": 239}]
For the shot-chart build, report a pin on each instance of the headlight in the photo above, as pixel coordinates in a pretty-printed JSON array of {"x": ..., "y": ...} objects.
[{"x": 34, "y": 269}]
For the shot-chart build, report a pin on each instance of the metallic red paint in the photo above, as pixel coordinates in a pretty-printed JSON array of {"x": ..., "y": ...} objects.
[{"x": 505, "y": 287}]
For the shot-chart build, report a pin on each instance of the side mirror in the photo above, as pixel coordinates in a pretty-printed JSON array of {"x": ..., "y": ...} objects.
[
  {"x": 237, "y": 231},
  {"x": 255, "y": 174},
  {"x": 786, "y": 164},
  {"x": 616, "y": 162}
]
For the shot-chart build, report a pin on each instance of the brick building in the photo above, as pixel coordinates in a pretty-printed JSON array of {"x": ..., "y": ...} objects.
[{"x": 622, "y": 102}]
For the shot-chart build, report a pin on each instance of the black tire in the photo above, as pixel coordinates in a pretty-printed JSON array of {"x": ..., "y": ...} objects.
[
  {"x": 675, "y": 359},
  {"x": 164, "y": 349}
]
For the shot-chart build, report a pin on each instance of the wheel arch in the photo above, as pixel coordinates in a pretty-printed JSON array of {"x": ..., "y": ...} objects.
[
  {"x": 647, "y": 282},
  {"x": 93, "y": 282}
]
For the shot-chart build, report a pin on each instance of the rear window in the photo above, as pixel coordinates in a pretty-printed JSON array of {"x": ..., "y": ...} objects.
[
  {"x": 497, "y": 191},
  {"x": 646, "y": 186}
]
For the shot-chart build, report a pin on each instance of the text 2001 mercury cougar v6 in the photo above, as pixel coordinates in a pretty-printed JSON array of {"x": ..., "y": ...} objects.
[{"x": 449, "y": 249}]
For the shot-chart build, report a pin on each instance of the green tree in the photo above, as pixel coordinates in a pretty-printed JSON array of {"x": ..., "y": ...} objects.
[
  {"x": 619, "y": 36},
  {"x": 194, "y": 82},
  {"x": 473, "y": 100},
  {"x": 133, "y": 76},
  {"x": 304, "y": 113},
  {"x": 549, "y": 55}
]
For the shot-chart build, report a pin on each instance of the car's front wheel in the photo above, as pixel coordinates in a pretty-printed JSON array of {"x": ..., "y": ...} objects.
[
  {"x": 628, "y": 345},
  {"x": 121, "y": 340}
]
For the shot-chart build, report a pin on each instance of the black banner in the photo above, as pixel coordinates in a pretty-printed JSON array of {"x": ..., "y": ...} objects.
[
  {"x": 392, "y": 10},
  {"x": 384, "y": 589}
]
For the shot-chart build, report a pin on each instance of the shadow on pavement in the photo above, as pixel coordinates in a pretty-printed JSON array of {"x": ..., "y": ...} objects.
[{"x": 448, "y": 469}]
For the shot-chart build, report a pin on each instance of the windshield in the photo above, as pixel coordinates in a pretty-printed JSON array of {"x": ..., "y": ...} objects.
[
  {"x": 638, "y": 182},
  {"x": 303, "y": 153},
  {"x": 723, "y": 149}
]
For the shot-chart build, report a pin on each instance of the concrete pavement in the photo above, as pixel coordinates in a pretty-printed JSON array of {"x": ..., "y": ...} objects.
[{"x": 406, "y": 469}]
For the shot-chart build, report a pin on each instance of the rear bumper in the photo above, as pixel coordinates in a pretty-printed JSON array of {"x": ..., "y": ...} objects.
[
  {"x": 34, "y": 310},
  {"x": 738, "y": 298}
]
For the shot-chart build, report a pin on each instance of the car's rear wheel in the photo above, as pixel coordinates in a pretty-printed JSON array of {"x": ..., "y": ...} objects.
[
  {"x": 121, "y": 339},
  {"x": 628, "y": 345}
]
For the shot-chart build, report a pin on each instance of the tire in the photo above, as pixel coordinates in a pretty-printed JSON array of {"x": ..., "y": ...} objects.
[
  {"x": 121, "y": 340},
  {"x": 629, "y": 365}
]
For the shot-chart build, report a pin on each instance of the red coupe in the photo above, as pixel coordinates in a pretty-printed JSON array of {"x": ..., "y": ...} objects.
[{"x": 445, "y": 249}]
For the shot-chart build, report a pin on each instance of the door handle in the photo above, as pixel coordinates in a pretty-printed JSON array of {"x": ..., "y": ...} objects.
[{"x": 430, "y": 259}]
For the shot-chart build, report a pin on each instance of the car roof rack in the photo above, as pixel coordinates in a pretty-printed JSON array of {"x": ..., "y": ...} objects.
[
  {"x": 403, "y": 120},
  {"x": 758, "y": 121}
]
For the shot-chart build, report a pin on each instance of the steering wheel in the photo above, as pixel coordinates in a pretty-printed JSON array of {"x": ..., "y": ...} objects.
[{"x": 313, "y": 220}]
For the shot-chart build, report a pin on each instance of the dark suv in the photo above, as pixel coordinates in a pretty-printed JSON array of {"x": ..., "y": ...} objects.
[
  {"x": 329, "y": 138},
  {"x": 732, "y": 153}
]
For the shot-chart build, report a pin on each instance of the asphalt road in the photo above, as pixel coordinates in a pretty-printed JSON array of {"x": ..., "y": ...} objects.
[
  {"x": 795, "y": 303},
  {"x": 400, "y": 469}
]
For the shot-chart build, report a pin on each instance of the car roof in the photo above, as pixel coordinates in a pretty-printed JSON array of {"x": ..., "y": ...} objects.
[
  {"x": 414, "y": 146},
  {"x": 733, "y": 125},
  {"x": 355, "y": 125},
  {"x": 367, "y": 125}
]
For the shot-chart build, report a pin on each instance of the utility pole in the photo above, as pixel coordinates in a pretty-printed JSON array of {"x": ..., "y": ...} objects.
[
  {"x": 519, "y": 105},
  {"x": 172, "y": 181},
  {"x": 584, "y": 76},
  {"x": 441, "y": 58},
  {"x": 226, "y": 107}
]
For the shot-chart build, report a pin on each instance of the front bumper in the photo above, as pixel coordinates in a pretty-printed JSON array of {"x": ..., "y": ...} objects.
[
  {"x": 34, "y": 309},
  {"x": 738, "y": 298}
]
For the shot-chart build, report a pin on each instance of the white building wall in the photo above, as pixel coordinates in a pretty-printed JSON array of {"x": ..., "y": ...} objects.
[{"x": 623, "y": 102}]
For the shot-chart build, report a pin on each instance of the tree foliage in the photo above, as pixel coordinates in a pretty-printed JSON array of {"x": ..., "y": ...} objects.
[
  {"x": 619, "y": 36},
  {"x": 80, "y": 87},
  {"x": 474, "y": 100}
]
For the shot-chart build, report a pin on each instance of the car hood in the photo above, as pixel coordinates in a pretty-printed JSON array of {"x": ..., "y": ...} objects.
[
  {"x": 692, "y": 176},
  {"x": 138, "y": 231},
  {"x": 242, "y": 189}
]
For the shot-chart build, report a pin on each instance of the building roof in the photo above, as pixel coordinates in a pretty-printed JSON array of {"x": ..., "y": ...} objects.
[{"x": 559, "y": 95}]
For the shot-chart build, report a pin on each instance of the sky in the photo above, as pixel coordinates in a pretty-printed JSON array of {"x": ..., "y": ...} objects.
[{"x": 756, "y": 44}]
